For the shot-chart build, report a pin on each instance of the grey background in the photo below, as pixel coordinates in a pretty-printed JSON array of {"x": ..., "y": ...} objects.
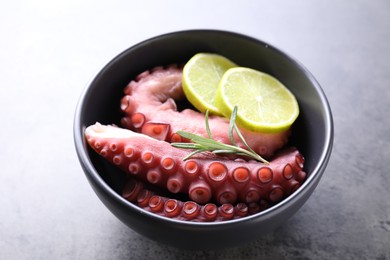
[{"x": 50, "y": 50}]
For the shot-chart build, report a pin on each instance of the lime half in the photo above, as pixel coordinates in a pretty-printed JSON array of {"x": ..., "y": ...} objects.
[
  {"x": 264, "y": 103},
  {"x": 201, "y": 76}
]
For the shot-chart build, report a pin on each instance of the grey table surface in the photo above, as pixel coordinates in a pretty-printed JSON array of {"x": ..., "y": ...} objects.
[{"x": 50, "y": 50}]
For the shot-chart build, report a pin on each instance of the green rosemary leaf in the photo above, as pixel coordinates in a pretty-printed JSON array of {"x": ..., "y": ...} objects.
[
  {"x": 232, "y": 124},
  {"x": 187, "y": 145},
  {"x": 193, "y": 153},
  {"x": 242, "y": 139},
  {"x": 184, "y": 145},
  {"x": 225, "y": 151},
  {"x": 202, "y": 144},
  {"x": 201, "y": 140},
  {"x": 186, "y": 134},
  {"x": 207, "y": 124}
]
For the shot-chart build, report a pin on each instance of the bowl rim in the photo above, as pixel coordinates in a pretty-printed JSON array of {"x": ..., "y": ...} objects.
[{"x": 93, "y": 175}]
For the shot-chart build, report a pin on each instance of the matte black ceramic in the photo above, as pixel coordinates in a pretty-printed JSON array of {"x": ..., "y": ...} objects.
[{"x": 312, "y": 133}]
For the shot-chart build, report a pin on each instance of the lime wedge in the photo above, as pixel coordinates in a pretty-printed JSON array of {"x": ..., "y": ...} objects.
[
  {"x": 201, "y": 76},
  {"x": 264, "y": 103}
]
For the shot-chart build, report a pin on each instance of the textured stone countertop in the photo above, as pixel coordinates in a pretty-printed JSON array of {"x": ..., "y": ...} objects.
[{"x": 50, "y": 50}]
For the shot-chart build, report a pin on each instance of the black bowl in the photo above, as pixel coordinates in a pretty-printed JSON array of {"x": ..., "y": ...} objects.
[{"x": 312, "y": 133}]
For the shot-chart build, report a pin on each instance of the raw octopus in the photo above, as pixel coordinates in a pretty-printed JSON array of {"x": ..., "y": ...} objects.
[
  {"x": 206, "y": 187},
  {"x": 150, "y": 108},
  {"x": 204, "y": 178}
]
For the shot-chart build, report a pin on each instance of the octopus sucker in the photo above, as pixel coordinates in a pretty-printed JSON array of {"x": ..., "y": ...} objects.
[
  {"x": 210, "y": 212},
  {"x": 176, "y": 138},
  {"x": 148, "y": 158},
  {"x": 265, "y": 174},
  {"x": 158, "y": 131},
  {"x": 143, "y": 198},
  {"x": 156, "y": 203},
  {"x": 226, "y": 211},
  {"x": 276, "y": 194},
  {"x": 172, "y": 208},
  {"x": 191, "y": 167},
  {"x": 153, "y": 176},
  {"x": 132, "y": 189},
  {"x": 113, "y": 147},
  {"x": 137, "y": 120},
  {"x": 97, "y": 144},
  {"x": 175, "y": 184},
  {"x": 168, "y": 164},
  {"x": 103, "y": 152},
  {"x": 226, "y": 194},
  {"x": 287, "y": 171},
  {"x": 251, "y": 195},
  {"x": 241, "y": 209},
  {"x": 300, "y": 176},
  {"x": 202, "y": 178},
  {"x": 149, "y": 106},
  {"x": 191, "y": 210},
  {"x": 241, "y": 175},
  {"x": 200, "y": 191},
  {"x": 117, "y": 159},
  {"x": 134, "y": 168},
  {"x": 217, "y": 171},
  {"x": 129, "y": 152}
]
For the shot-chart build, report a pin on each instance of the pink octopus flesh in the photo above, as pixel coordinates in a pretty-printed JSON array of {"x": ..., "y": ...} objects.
[
  {"x": 150, "y": 108},
  {"x": 136, "y": 192},
  {"x": 217, "y": 188},
  {"x": 204, "y": 178}
]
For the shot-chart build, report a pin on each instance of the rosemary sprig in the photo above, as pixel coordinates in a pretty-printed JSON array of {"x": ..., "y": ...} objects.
[{"x": 202, "y": 144}]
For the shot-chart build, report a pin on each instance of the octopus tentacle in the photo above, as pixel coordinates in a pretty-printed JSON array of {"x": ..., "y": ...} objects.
[
  {"x": 204, "y": 178},
  {"x": 150, "y": 100},
  {"x": 136, "y": 192}
]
